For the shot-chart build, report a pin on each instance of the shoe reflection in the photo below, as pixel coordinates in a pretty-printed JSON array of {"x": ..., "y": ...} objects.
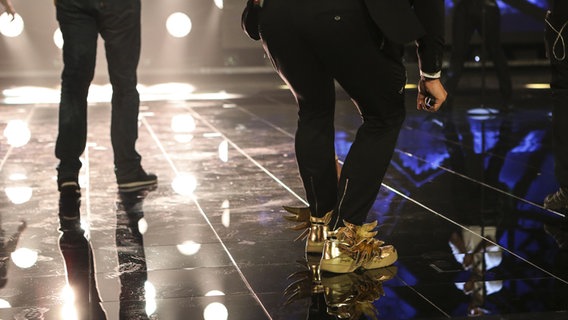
[
  {"x": 131, "y": 257},
  {"x": 8, "y": 245},
  {"x": 338, "y": 296},
  {"x": 79, "y": 265}
]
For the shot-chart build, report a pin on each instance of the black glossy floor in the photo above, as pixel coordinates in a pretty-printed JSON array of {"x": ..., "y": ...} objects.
[{"x": 211, "y": 241}]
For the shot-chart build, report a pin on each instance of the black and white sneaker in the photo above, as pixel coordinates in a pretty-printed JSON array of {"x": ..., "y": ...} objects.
[{"x": 143, "y": 181}]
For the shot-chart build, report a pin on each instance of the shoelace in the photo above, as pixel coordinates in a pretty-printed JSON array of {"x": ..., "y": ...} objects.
[{"x": 560, "y": 38}]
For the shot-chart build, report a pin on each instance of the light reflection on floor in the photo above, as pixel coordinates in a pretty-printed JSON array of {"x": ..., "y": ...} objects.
[{"x": 462, "y": 202}]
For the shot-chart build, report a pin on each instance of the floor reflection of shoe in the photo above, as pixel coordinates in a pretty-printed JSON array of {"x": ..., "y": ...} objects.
[
  {"x": 142, "y": 181},
  {"x": 557, "y": 200},
  {"x": 351, "y": 295},
  {"x": 69, "y": 207},
  {"x": 306, "y": 282},
  {"x": 559, "y": 232}
]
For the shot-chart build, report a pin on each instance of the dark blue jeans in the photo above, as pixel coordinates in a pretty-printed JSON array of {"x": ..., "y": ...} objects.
[
  {"x": 118, "y": 22},
  {"x": 312, "y": 45}
]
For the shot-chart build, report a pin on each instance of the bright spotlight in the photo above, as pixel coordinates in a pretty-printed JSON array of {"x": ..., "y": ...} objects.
[
  {"x": 58, "y": 38},
  {"x": 178, "y": 24},
  {"x": 11, "y": 28},
  {"x": 219, "y": 3},
  {"x": 17, "y": 133}
]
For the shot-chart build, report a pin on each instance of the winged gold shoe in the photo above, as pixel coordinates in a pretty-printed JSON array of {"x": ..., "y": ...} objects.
[
  {"x": 352, "y": 247},
  {"x": 315, "y": 229}
]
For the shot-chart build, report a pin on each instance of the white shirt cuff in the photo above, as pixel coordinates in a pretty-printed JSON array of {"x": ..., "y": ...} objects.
[{"x": 431, "y": 75}]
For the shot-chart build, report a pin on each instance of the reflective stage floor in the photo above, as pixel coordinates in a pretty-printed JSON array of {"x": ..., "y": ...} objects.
[{"x": 461, "y": 202}]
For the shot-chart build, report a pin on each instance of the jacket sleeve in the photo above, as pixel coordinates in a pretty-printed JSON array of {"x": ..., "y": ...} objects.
[{"x": 430, "y": 47}]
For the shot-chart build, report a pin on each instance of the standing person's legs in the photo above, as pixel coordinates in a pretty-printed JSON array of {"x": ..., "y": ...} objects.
[
  {"x": 495, "y": 50},
  {"x": 463, "y": 27},
  {"x": 120, "y": 29},
  {"x": 556, "y": 29},
  {"x": 80, "y": 33}
]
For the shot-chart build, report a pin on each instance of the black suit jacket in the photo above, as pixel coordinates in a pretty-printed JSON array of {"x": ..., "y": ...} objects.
[{"x": 403, "y": 21}]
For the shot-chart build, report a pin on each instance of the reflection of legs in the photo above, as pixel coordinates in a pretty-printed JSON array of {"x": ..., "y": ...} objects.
[
  {"x": 462, "y": 30},
  {"x": 559, "y": 85},
  {"x": 495, "y": 50},
  {"x": 79, "y": 50}
]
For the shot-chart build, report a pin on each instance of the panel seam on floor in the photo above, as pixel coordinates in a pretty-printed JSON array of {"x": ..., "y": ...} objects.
[{"x": 194, "y": 199}]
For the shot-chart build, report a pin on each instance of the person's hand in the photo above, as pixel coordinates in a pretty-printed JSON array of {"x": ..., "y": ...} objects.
[
  {"x": 432, "y": 88},
  {"x": 9, "y": 7}
]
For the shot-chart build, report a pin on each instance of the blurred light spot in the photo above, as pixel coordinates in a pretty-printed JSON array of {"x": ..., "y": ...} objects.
[
  {"x": 537, "y": 86},
  {"x": 58, "y": 38},
  {"x": 215, "y": 311},
  {"x": 219, "y": 3},
  {"x": 178, "y": 25},
  {"x": 183, "y": 123},
  {"x": 189, "y": 248},
  {"x": 17, "y": 133},
  {"x": 184, "y": 184},
  {"x": 226, "y": 216},
  {"x": 183, "y": 138},
  {"x": 11, "y": 28},
  {"x": 150, "y": 296},
  {"x": 142, "y": 225},
  {"x": 31, "y": 94},
  {"x": 17, "y": 177},
  {"x": 19, "y": 195},
  {"x": 410, "y": 86},
  {"x": 214, "y": 293},
  {"x": 211, "y": 134},
  {"x": 166, "y": 91},
  {"x": 224, "y": 151},
  {"x": 68, "y": 310},
  {"x": 482, "y": 113},
  {"x": 103, "y": 93},
  {"x": 24, "y": 257},
  {"x": 477, "y": 58},
  {"x": 4, "y": 304}
]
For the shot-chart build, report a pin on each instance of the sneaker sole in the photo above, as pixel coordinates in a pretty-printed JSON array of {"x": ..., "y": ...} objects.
[{"x": 139, "y": 185}]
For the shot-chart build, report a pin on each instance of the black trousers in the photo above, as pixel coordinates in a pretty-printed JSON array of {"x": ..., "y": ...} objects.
[
  {"x": 313, "y": 44},
  {"x": 556, "y": 30},
  {"x": 470, "y": 16},
  {"x": 118, "y": 22}
]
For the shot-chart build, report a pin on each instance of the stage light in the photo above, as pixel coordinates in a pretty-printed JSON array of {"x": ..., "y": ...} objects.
[
  {"x": 219, "y": 3},
  {"x": 11, "y": 27},
  {"x": 178, "y": 24},
  {"x": 58, "y": 38}
]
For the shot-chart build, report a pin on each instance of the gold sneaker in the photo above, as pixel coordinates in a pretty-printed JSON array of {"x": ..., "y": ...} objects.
[
  {"x": 352, "y": 247},
  {"x": 315, "y": 229}
]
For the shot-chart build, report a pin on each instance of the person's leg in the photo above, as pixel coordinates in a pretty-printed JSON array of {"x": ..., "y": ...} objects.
[
  {"x": 557, "y": 51},
  {"x": 375, "y": 79},
  {"x": 120, "y": 28},
  {"x": 463, "y": 27},
  {"x": 295, "y": 59},
  {"x": 80, "y": 34},
  {"x": 495, "y": 49}
]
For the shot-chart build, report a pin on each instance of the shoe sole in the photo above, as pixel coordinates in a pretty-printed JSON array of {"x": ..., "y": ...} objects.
[
  {"x": 381, "y": 263},
  {"x": 346, "y": 264},
  {"x": 139, "y": 185}
]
